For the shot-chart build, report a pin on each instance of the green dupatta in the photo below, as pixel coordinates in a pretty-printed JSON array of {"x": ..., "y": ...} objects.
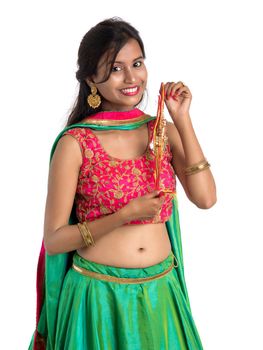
[{"x": 52, "y": 269}]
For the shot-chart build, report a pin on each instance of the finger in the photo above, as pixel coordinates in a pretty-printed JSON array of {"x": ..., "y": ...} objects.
[
  {"x": 174, "y": 92},
  {"x": 168, "y": 90},
  {"x": 163, "y": 197},
  {"x": 166, "y": 86},
  {"x": 182, "y": 90},
  {"x": 177, "y": 87},
  {"x": 172, "y": 87},
  {"x": 153, "y": 194}
]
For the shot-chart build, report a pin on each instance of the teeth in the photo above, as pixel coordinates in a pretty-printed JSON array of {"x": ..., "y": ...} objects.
[{"x": 130, "y": 90}]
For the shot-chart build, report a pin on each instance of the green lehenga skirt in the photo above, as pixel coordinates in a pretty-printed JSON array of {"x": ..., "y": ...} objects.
[{"x": 104, "y": 307}]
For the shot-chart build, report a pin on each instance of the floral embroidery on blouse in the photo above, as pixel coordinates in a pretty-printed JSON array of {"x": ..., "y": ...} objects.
[{"x": 106, "y": 184}]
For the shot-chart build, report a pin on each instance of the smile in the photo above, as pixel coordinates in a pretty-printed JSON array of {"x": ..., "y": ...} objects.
[{"x": 131, "y": 91}]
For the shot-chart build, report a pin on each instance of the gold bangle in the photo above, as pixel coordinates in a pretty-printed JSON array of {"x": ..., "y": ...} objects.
[
  {"x": 89, "y": 233},
  {"x": 196, "y": 165},
  {"x": 197, "y": 169},
  {"x": 85, "y": 234}
]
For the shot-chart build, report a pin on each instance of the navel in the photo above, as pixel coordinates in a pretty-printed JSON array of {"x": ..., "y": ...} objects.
[{"x": 141, "y": 249}]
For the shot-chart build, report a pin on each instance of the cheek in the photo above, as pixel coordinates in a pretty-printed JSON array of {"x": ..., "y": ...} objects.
[
  {"x": 104, "y": 92},
  {"x": 112, "y": 83},
  {"x": 144, "y": 74},
  {"x": 107, "y": 90}
]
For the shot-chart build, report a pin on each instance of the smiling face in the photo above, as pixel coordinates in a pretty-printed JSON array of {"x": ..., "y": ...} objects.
[{"x": 127, "y": 81}]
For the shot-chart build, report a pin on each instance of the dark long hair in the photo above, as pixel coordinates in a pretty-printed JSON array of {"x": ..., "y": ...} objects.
[{"x": 106, "y": 38}]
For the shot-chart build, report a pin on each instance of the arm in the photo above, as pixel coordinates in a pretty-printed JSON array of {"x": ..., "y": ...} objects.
[
  {"x": 59, "y": 237},
  {"x": 200, "y": 188}
]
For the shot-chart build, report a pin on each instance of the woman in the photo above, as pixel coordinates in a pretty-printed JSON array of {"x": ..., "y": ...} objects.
[{"x": 110, "y": 272}]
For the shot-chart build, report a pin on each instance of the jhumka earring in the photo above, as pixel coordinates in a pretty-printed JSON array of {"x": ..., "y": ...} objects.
[{"x": 93, "y": 99}]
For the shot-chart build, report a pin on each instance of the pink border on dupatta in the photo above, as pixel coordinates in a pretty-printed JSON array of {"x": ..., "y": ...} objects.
[{"x": 117, "y": 115}]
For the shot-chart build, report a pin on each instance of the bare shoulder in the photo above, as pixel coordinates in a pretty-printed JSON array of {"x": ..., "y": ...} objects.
[{"x": 68, "y": 151}]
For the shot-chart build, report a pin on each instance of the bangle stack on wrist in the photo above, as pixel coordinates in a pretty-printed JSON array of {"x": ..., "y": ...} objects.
[
  {"x": 86, "y": 234},
  {"x": 196, "y": 168}
]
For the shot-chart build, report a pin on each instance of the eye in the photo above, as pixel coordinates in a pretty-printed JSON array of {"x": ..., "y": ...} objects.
[
  {"x": 116, "y": 68},
  {"x": 138, "y": 64}
]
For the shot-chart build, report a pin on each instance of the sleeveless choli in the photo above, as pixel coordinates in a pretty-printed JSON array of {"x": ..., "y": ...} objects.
[{"x": 106, "y": 184}]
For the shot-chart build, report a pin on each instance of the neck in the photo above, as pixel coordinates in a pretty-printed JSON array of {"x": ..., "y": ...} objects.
[{"x": 107, "y": 107}]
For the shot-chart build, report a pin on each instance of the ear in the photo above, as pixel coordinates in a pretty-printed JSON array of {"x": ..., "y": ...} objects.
[{"x": 90, "y": 81}]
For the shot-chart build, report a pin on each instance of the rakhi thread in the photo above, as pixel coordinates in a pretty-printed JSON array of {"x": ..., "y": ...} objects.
[{"x": 159, "y": 141}]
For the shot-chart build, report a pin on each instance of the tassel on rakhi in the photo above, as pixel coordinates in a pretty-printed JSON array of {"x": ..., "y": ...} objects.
[{"x": 159, "y": 141}]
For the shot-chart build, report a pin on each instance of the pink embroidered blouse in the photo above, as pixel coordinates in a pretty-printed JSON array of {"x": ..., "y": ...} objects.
[{"x": 106, "y": 184}]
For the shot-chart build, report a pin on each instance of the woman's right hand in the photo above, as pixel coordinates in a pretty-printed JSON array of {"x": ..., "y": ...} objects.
[{"x": 144, "y": 207}]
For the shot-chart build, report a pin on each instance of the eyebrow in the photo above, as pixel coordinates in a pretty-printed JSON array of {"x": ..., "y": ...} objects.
[{"x": 140, "y": 57}]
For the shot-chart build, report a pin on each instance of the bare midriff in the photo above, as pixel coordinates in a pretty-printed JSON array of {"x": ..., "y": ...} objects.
[
  {"x": 134, "y": 246},
  {"x": 138, "y": 245}
]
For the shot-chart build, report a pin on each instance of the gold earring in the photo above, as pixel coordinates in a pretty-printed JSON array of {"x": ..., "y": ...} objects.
[{"x": 94, "y": 100}]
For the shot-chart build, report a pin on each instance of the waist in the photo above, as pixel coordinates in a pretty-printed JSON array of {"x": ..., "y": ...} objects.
[
  {"x": 130, "y": 246},
  {"x": 123, "y": 275}
]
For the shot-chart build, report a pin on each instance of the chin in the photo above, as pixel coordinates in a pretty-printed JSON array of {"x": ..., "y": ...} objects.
[{"x": 134, "y": 101}]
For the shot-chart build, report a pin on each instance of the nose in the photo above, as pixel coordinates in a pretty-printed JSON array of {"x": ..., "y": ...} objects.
[{"x": 129, "y": 76}]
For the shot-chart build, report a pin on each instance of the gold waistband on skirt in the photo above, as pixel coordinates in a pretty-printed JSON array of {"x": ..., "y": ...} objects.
[{"x": 109, "y": 278}]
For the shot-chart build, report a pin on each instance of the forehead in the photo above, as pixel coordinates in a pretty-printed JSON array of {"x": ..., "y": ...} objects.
[{"x": 129, "y": 51}]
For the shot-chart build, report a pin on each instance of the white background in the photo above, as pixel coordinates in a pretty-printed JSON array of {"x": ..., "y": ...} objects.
[{"x": 214, "y": 48}]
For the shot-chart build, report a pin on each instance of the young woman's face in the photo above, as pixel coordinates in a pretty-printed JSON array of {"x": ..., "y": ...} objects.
[{"x": 126, "y": 84}]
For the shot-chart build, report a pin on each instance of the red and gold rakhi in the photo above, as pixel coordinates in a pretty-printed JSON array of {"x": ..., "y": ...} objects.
[{"x": 160, "y": 140}]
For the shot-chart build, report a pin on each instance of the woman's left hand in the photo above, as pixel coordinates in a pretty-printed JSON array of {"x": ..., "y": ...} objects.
[{"x": 177, "y": 98}]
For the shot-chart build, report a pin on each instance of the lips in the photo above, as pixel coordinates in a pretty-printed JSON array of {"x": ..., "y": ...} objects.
[{"x": 132, "y": 91}]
